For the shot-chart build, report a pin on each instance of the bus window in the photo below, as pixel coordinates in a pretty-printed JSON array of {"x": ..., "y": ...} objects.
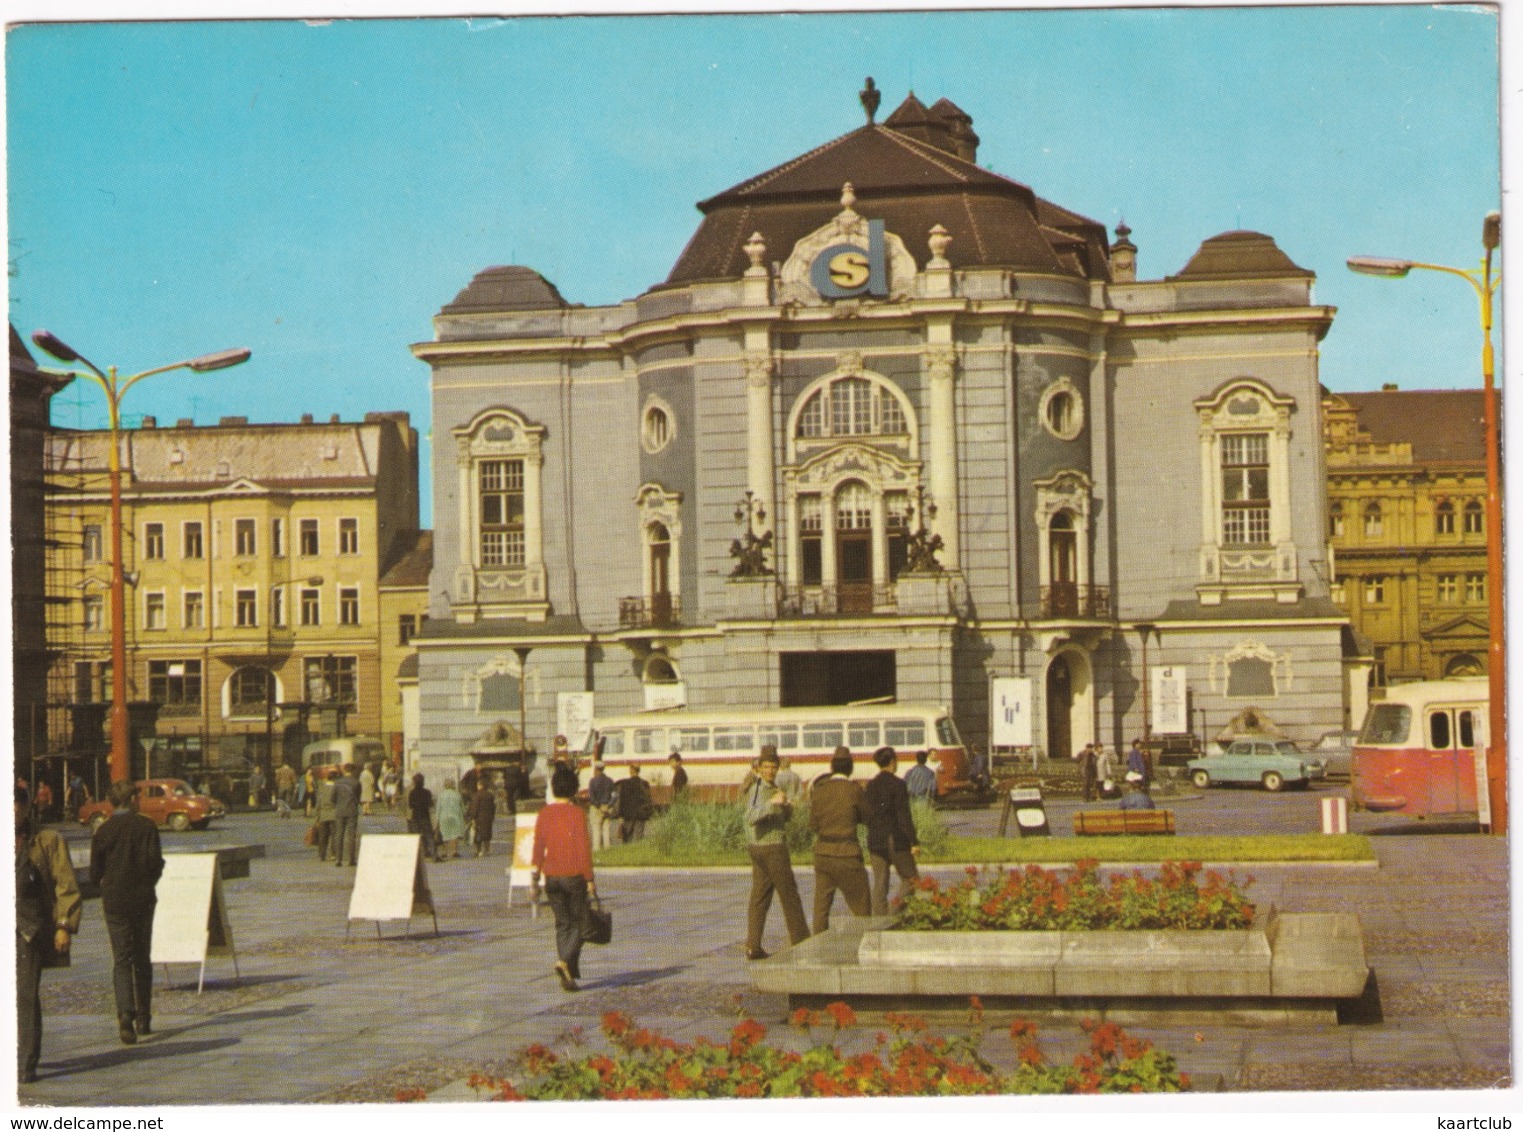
[
  {"x": 693, "y": 739},
  {"x": 1438, "y": 730},
  {"x": 613, "y": 743},
  {"x": 783, "y": 736},
  {"x": 1387, "y": 723},
  {"x": 946, "y": 732},
  {"x": 863, "y": 734},
  {"x": 650, "y": 740},
  {"x": 904, "y": 733},
  {"x": 733, "y": 738},
  {"x": 822, "y": 736},
  {"x": 1467, "y": 729}
]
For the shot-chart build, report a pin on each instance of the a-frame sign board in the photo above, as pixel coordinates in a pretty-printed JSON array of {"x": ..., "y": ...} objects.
[
  {"x": 390, "y": 883},
  {"x": 521, "y": 868},
  {"x": 190, "y": 921}
]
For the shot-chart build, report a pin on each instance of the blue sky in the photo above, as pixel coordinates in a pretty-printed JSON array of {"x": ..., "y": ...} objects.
[{"x": 317, "y": 192}]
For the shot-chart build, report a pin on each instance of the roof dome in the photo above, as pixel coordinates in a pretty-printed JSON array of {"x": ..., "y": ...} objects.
[
  {"x": 914, "y": 171},
  {"x": 1240, "y": 255},
  {"x": 506, "y": 289}
]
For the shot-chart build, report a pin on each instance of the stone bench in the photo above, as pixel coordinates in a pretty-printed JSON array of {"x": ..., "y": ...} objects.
[
  {"x": 1114, "y": 822},
  {"x": 1295, "y": 968},
  {"x": 232, "y": 861}
]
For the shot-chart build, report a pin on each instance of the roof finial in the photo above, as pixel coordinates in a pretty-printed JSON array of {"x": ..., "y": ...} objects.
[
  {"x": 870, "y": 96},
  {"x": 848, "y": 196}
]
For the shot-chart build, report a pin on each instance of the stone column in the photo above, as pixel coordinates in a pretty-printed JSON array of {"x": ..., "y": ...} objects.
[
  {"x": 941, "y": 366},
  {"x": 759, "y": 473},
  {"x": 880, "y": 540},
  {"x": 828, "y": 539}
]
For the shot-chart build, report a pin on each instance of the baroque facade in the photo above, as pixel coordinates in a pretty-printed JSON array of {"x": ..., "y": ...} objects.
[
  {"x": 254, "y": 554},
  {"x": 893, "y": 426},
  {"x": 1407, "y": 521}
]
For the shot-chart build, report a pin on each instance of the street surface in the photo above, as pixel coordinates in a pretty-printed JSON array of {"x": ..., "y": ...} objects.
[{"x": 316, "y": 1018}]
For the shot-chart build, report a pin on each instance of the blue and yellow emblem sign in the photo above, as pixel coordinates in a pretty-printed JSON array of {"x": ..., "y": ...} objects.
[{"x": 844, "y": 271}]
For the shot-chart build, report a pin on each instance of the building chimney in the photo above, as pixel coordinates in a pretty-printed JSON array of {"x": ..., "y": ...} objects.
[
  {"x": 306, "y": 418},
  {"x": 227, "y": 422},
  {"x": 335, "y": 419},
  {"x": 150, "y": 422},
  {"x": 186, "y": 422},
  {"x": 1389, "y": 387}
]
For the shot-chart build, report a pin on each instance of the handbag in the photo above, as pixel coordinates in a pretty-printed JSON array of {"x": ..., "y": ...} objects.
[{"x": 597, "y": 926}]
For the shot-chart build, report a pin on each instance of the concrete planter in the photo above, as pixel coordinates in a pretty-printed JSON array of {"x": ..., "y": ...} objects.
[{"x": 1293, "y": 966}]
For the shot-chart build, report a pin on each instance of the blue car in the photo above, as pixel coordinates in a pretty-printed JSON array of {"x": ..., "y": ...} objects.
[{"x": 1270, "y": 763}]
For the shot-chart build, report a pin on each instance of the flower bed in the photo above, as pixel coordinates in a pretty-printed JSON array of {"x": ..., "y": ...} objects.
[
  {"x": 1038, "y": 899},
  {"x": 908, "y": 1062}
]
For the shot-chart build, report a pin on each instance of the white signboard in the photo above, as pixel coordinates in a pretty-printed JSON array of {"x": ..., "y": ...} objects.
[
  {"x": 1010, "y": 711},
  {"x": 190, "y": 920},
  {"x": 521, "y": 867},
  {"x": 390, "y": 883},
  {"x": 661, "y": 696},
  {"x": 573, "y": 717},
  {"x": 1169, "y": 700}
]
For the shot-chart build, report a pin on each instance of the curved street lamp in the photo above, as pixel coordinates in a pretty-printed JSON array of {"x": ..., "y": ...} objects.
[
  {"x": 1485, "y": 285},
  {"x": 115, "y": 387}
]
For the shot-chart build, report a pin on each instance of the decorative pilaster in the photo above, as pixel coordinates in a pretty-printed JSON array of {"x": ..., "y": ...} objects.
[
  {"x": 758, "y": 363},
  {"x": 941, "y": 367}
]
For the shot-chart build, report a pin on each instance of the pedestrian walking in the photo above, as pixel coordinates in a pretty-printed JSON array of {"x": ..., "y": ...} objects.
[
  {"x": 48, "y": 909},
  {"x": 420, "y": 814},
  {"x": 323, "y": 804},
  {"x": 285, "y": 786},
  {"x": 482, "y": 813},
  {"x": 389, "y": 783},
  {"x": 44, "y": 801},
  {"x": 920, "y": 779},
  {"x": 679, "y": 775},
  {"x": 563, "y": 857},
  {"x": 768, "y": 809},
  {"x": 836, "y": 808},
  {"x": 346, "y": 817},
  {"x": 77, "y": 796},
  {"x": 1137, "y": 763},
  {"x": 634, "y": 805},
  {"x": 1105, "y": 770},
  {"x": 450, "y": 808},
  {"x": 256, "y": 787},
  {"x": 600, "y": 795},
  {"x": 367, "y": 789},
  {"x": 1086, "y": 761},
  {"x": 311, "y": 779},
  {"x": 125, "y": 864},
  {"x": 891, "y": 839}
]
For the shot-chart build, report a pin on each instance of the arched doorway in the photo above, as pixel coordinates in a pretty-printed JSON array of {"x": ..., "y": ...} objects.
[
  {"x": 660, "y": 574},
  {"x": 854, "y": 548},
  {"x": 1059, "y": 709},
  {"x": 1070, "y": 703}
]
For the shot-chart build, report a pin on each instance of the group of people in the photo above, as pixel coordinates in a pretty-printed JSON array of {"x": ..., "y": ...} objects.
[
  {"x": 444, "y": 821},
  {"x": 126, "y": 862},
  {"x": 619, "y": 810},
  {"x": 1097, "y": 775}
]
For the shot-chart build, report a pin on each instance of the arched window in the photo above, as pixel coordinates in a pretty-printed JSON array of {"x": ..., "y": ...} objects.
[
  {"x": 851, "y": 406},
  {"x": 1374, "y": 522},
  {"x": 1464, "y": 665},
  {"x": 1475, "y": 518},
  {"x": 251, "y": 692},
  {"x": 660, "y": 670},
  {"x": 1443, "y": 519}
]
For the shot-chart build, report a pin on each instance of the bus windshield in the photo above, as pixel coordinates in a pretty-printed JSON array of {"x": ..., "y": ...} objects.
[{"x": 1387, "y": 723}]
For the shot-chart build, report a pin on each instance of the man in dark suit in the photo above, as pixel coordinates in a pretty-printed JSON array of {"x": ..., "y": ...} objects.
[
  {"x": 891, "y": 840},
  {"x": 126, "y": 863},
  {"x": 346, "y": 816},
  {"x": 836, "y": 808}
]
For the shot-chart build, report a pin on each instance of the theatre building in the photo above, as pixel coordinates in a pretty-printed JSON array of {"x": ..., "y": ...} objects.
[{"x": 893, "y": 426}]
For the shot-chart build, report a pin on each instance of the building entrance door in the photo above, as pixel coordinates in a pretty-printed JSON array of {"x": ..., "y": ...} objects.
[
  {"x": 1063, "y": 567},
  {"x": 1059, "y": 709},
  {"x": 660, "y": 575},
  {"x": 854, "y": 571},
  {"x": 821, "y": 679}
]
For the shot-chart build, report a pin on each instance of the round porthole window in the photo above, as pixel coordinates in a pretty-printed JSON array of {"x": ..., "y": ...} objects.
[
  {"x": 657, "y": 427},
  {"x": 1062, "y": 411}
]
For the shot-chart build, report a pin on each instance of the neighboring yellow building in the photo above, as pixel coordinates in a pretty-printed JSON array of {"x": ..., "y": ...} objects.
[
  {"x": 404, "y": 608},
  {"x": 254, "y": 554},
  {"x": 1407, "y": 523}
]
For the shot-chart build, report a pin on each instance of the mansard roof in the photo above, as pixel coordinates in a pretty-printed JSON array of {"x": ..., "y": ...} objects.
[
  {"x": 908, "y": 172},
  {"x": 1240, "y": 255},
  {"x": 1442, "y": 425},
  {"x": 506, "y": 288}
]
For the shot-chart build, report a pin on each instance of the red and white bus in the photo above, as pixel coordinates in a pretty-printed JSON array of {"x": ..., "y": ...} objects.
[
  {"x": 719, "y": 746},
  {"x": 1417, "y": 752}
]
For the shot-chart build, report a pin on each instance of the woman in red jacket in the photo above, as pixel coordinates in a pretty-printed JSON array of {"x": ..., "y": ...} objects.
[{"x": 563, "y": 856}]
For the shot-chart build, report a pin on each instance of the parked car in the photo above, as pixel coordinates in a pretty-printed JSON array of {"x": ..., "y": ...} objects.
[
  {"x": 168, "y": 801},
  {"x": 1336, "y": 750},
  {"x": 1271, "y": 763}
]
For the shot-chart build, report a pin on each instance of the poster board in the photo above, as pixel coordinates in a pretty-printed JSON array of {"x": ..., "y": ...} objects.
[
  {"x": 190, "y": 920},
  {"x": 573, "y": 717},
  {"x": 521, "y": 865},
  {"x": 390, "y": 882},
  {"x": 1010, "y": 711},
  {"x": 1170, "y": 700}
]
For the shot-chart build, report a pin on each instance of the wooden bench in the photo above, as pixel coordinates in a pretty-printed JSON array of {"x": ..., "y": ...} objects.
[{"x": 1108, "y": 822}]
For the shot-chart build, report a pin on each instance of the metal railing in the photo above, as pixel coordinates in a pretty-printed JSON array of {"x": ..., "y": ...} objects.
[
  {"x": 1070, "y": 599},
  {"x": 654, "y": 612},
  {"x": 844, "y": 599}
]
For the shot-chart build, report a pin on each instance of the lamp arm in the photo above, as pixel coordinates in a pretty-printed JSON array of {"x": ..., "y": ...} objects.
[{"x": 128, "y": 383}]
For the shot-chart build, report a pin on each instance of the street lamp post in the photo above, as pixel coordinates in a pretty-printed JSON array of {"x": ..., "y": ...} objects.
[
  {"x": 1485, "y": 285},
  {"x": 115, "y": 388},
  {"x": 1145, "y": 630}
]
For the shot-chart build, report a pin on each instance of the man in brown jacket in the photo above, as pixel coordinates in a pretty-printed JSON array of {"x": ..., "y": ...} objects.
[{"x": 836, "y": 808}]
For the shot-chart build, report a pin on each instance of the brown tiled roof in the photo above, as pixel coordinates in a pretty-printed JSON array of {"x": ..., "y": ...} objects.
[
  {"x": 1240, "y": 255},
  {"x": 909, "y": 183},
  {"x": 506, "y": 289},
  {"x": 1443, "y": 425},
  {"x": 412, "y": 557}
]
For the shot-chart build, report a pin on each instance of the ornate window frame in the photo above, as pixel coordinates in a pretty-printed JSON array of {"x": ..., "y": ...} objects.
[
  {"x": 648, "y": 441},
  {"x": 1068, "y": 490},
  {"x": 1240, "y": 406},
  {"x": 1281, "y": 672},
  {"x": 499, "y": 433},
  {"x": 502, "y": 664},
  {"x": 850, "y": 366},
  {"x": 824, "y": 474},
  {"x": 657, "y": 505},
  {"x": 1062, "y": 387}
]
